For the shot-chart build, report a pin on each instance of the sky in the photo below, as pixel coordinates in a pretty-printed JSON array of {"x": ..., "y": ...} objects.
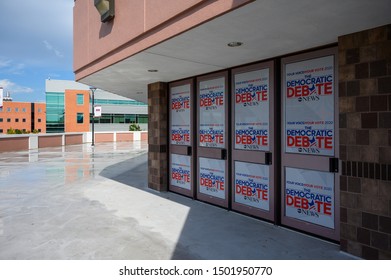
[{"x": 36, "y": 43}]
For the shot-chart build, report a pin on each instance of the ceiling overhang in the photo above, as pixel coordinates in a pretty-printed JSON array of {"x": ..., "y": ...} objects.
[{"x": 267, "y": 28}]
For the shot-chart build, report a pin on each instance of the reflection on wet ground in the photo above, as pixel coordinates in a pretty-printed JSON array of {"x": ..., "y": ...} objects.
[
  {"x": 71, "y": 163},
  {"x": 79, "y": 202}
]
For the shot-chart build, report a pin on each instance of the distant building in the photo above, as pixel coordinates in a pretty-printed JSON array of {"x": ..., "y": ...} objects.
[
  {"x": 24, "y": 116},
  {"x": 69, "y": 109}
]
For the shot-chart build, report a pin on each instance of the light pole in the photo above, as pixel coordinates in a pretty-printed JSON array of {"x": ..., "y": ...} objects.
[{"x": 93, "y": 89}]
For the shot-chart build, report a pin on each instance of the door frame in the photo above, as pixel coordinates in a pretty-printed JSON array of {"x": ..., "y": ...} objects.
[
  {"x": 214, "y": 153},
  {"x": 185, "y": 150},
  {"x": 307, "y": 162},
  {"x": 258, "y": 157}
]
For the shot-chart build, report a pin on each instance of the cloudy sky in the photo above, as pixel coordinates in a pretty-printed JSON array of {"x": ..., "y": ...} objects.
[{"x": 35, "y": 44}]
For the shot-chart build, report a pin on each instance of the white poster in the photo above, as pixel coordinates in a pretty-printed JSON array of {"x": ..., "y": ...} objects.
[
  {"x": 180, "y": 172},
  {"x": 252, "y": 110},
  {"x": 180, "y": 115},
  {"x": 252, "y": 184},
  {"x": 1, "y": 97},
  {"x": 309, "y": 196},
  {"x": 212, "y": 177},
  {"x": 97, "y": 111},
  {"x": 212, "y": 113},
  {"x": 309, "y": 106}
]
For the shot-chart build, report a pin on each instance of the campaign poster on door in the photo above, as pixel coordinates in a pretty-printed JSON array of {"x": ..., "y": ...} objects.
[
  {"x": 180, "y": 115},
  {"x": 180, "y": 172},
  {"x": 309, "y": 196},
  {"x": 252, "y": 184},
  {"x": 212, "y": 113},
  {"x": 309, "y": 106},
  {"x": 212, "y": 177},
  {"x": 252, "y": 110}
]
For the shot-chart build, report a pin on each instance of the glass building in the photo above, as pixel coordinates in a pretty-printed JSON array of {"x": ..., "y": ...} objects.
[
  {"x": 55, "y": 112},
  {"x": 117, "y": 112}
]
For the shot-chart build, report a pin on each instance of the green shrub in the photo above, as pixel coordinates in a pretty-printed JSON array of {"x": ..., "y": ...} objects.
[
  {"x": 10, "y": 131},
  {"x": 134, "y": 127}
]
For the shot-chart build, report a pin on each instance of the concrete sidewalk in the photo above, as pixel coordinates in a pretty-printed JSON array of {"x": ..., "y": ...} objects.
[{"x": 78, "y": 202}]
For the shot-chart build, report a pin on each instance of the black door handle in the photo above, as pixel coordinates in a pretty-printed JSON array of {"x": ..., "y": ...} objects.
[
  {"x": 268, "y": 158},
  {"x": 224, "y": 154},
  {"x": 333, "y": 165}
]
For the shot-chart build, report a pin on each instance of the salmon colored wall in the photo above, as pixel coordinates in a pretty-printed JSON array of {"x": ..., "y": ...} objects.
[
  {"x": 144, "y": 136},
  {"x": 104, "y": 137},
  {"x": 50, "y": 141},
  {"x": 14, "y": 144},
  {"x": 123, "y": 137},
  {"x": 40, "y": 117},
  {"x": 137, "y": 25},
  {"x": 72, "y": 108},
  {"x": 73, "y": 139},
  {"x": 14, "y": 111}
]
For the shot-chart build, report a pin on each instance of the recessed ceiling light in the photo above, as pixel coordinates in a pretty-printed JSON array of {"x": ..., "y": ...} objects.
[
  {"x": 234, "y": 44},
  {"x": 152, "y": 70}
]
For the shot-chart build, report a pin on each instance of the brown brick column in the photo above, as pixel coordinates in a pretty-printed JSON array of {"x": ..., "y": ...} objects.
[
  {"x": 157, "y": 136},
  {"x": 365, "y": 142}
]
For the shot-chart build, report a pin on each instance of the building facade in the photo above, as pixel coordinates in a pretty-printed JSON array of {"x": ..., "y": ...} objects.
[
  {"x": 69, "y": 109},
  {"x": 281, "y": 112},
  {"x": 23, "y": 116}
]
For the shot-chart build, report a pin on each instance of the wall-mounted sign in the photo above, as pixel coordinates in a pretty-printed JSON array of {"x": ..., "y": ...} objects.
[
  {"x": 252, "y": 185},
  {"x": 212, "y": 177},
  {"x": 212, "y": 113},
  {"x": 180, "y": 103},
  {"x": 309, "y": 196},
  {"x": 180, "y": 171},
  {"x": 252, "y": 110},
  {"x": 97, "y": 111},
  {"x": 309, "y": 106}
]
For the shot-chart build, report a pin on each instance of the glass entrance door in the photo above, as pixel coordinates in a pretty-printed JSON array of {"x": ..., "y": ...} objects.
[
  {"x": 309, "y": 144},
  {"x": 253, "y": 182},
  {"x": 212, "y": 139},
  {"x": 181, "y": 102}
]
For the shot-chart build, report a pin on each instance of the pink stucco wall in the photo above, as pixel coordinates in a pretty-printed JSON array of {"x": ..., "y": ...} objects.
[{"x": 137, "y": 25}]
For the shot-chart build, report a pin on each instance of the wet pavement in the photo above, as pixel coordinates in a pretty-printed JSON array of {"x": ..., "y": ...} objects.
[{"x": 79, "y": 202}]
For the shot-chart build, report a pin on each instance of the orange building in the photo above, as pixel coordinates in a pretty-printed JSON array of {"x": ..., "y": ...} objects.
[
  {"x": 77, "y": 114},
  {"x": 25, "y": 116}
]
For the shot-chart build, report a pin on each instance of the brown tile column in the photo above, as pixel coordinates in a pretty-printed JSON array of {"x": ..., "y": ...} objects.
[
  {"x": 365, "y": 142},
  {"x": 157, "y": 136}
]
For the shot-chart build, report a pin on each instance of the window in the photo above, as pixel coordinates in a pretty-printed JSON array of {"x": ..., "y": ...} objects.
[
  {"x": 8, "y": 120},
  {"x": 39, "y": 110},
  {"x": 80, "y": 118},
  {"x": 23, "y": 120},
  {"x": 8, "y": 109},
  {"x": 39, "y": 120},
  {"x": 16, "y": 120},
  {"x": 80, "y": 99},
  {"x": 24, "y": 110},
  {"x": 1, "y": 131},
  {"x": 1, "y": 119},
  {"x": 16, "y": 109}
]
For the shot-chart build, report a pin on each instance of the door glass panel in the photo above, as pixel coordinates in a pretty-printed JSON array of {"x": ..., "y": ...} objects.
[
  {"x": 180, "y": 115},
  {"x": 252, "y": 184},
  {"x": 212, "y": 113},
  {"x": 252, "y": 110},
  {"x": 309, "y": 111},
  {"x": 212, "y": 177},
  {"x": 180, "y": 173},
  {"x": 309, "y": 196}
]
